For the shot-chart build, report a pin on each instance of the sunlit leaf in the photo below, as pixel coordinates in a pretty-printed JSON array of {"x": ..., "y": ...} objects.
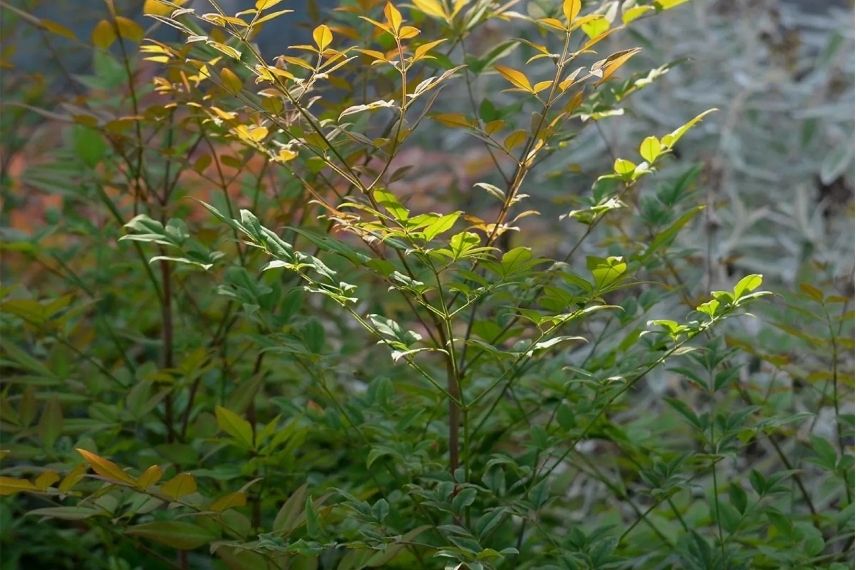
[
  {"x": 322, "y": 36},
  {"x": 515, "y": 77},
  {"x": 431, "y": 8},
  {"x": 571, "y": 9}
]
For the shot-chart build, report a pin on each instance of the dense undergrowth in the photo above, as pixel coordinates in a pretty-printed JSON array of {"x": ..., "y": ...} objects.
[{"x": 456, "y": 285}]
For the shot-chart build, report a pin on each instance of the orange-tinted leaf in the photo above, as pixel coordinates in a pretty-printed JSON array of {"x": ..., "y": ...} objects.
[
  {"x": 516, "y": 78},
  {"x": 149, "y": 477},
  {"x": 614, "y": 62},
  {"x": 106, "y": 468}
]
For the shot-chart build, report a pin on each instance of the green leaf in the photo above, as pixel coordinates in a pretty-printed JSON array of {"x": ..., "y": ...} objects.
[
  {"x": 313, "y": 523},
  {"x": 176, "y": 534},
  {"x": 288, "y": 517},
  {"x": 440, "y": 225},
  {"x": 650, "y": 149},
  {"x": 51, "y": 422},
  {"x": 88, "y": 144},
  {"x": 236, "y": 426},
  {"x": 66, "y": 513},
  {"x": 605, "y": 271},
  {"x": 747, "y": 285},
  {"x": 595, "y": 27},
  {"x": 665, "y": 237},
  {"x": 635, "y": 12},
  {"x": 389, "y": 202},
  {"x": 623, "y": 167},
  {"x": 672, "y": 138}
]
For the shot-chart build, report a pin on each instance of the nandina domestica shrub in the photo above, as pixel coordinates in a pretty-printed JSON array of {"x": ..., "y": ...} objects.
[{"x": 332, "y": 366}]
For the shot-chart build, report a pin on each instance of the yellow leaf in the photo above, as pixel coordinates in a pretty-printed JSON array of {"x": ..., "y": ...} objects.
[
  {"x": 103, "y": 35},
  {"x": 265, "y": 4},
  {"x": 160, "y": 7},
  {"x": 452, "y": 120},
  {"x": 11, "y": 486},
  {"x": 393, "y": 16},
  {"x": 635, "y": 12},
  {"x": 271, "y": 16},
  {"x": 129, "y": 29},
  {"x": 407, "y": 32},
  {"x": 376, "y": 55},
  {"x": 179, "y": 486},
  {"x": 420, "y": 51},
  {"x": 231, "y": 81},
  {"x": 574, "y": 102},
  {"x": 55, "y": 28},
  {"x": 223, "y": 48},
  {"x": 322, "y": 36},
  {"x": 516, "y": 78},
  {"x": 156, "y": 8},
  {"x": 151, "y": 475},
  {"x": 494, "y": 126},
  {"x": 74, "y": 476},
  {"x": 285, "y": 155},
  {"x": 45, "y": 480},
  {"x": 232, "y": 500},
  {"x": 541, "y": 85},
  {"x": 571, "y": 8},
  {"x": 615, "y": 61},
  {"x": 514, "y": 139},
  {"x": 251, "y": 134},
  {"x": 669, "y": 4},
  {"x": 431, "y": 8},
  {"x": 106, "y": 468},
  {"x": 458, "y": 6},
  {"x": 553, "y": 23}
]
